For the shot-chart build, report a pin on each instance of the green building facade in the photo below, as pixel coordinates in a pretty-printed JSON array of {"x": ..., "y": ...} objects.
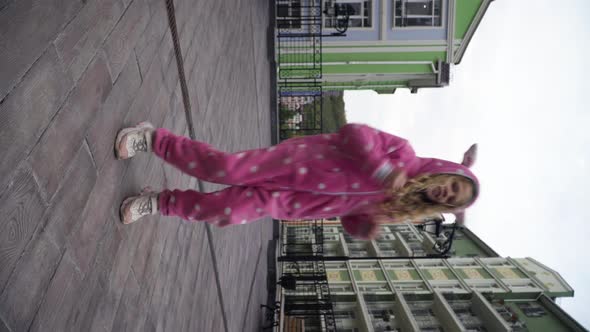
[
  {"x": 389, "y": 44},
  {"x": 393, "y": 283}
]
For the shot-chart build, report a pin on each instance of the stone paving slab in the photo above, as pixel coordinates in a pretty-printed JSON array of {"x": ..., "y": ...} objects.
[{"x": 73, "y": 73}]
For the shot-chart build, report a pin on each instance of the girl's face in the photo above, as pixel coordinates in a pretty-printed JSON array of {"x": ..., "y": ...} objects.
[{"x": 454, "y": 191}]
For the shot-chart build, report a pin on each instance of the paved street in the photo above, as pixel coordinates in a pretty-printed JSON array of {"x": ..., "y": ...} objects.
[{"x": 72, "y": 73}]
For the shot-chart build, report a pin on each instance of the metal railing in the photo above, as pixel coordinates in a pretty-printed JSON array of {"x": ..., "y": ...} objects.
[
  {"x": 299, "y": 67},
  {"x": 302, "y": 239},
  {"x": 307, "y": 295}
]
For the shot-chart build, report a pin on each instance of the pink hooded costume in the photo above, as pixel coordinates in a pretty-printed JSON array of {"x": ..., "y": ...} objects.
[{"x": 311, "y": 177}]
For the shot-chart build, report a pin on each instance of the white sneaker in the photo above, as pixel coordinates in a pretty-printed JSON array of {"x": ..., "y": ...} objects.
[
  {"x": 135, "y": 207},
  {"x": 132, "y": 140}
]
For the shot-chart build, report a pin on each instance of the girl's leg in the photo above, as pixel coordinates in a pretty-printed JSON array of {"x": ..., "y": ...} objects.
[
  {"x": 233, "y": 205},
  {"x": 207, "y": 163}
]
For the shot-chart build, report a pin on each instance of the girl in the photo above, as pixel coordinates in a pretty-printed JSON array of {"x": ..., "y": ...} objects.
[{"x": 364, "y": 175}]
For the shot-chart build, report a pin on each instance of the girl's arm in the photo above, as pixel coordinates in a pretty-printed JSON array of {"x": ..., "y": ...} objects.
[{"x": 375, "y": 149}]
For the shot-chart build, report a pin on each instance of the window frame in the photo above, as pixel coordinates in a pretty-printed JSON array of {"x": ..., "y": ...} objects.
[
  {"x": 371, "y": 16},
  {"x": 443, "y": 17}
]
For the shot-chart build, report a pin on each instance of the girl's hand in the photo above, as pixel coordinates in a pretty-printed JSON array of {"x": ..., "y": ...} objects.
[
  {"x": 396, "y": 180},
  {"x": 370, "y": 229}
]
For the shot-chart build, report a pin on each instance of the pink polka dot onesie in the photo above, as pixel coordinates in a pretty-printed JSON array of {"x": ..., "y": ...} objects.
[{"x": 311, "y": 177}]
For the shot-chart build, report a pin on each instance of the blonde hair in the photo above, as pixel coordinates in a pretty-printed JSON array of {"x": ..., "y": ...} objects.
[{"x": 409, "y": 203}]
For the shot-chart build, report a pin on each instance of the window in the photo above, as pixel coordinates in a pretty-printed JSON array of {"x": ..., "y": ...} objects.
[
  {"x": 409, "y": 286},
  {"x": 497, "y": 262},
  {"x": 341, "y": 288},
  {"x": 289, "y": 15},
  {"x": 331, "y": 237},
  {"x": 399, "y": 264},
  {"x": 360, "y": 12},
  {"x": 463, "y": 262},
  {"x": 424, "y": 263},
  {"x": 385, "y": 236},
  {"x": 484, "y": 286},
  {"x": 373, "y": 288},
  {"x": 365, "y": 265},
  {"x": 335, "y": 265},
  {"x": 447, "y": 286},
  {"x": 531, "y": 309},
  {"x": 522, "y": 285},
  {"x": 417, "y": 13},
  {"x": 345, "y": 317}
]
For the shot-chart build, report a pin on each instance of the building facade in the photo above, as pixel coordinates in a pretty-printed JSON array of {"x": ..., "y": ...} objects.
[
  {"x": 398, "y": 283},
  {"x": 388, "y": 44}
]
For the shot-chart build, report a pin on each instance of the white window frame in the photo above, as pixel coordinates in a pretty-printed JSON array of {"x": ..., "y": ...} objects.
[
  {"x": 410, "y": 286},
  {"x": 342, "y": 285},
  {"x": 448, "y": 286},
  {"x": 485, "y": 285},
  {"x": 366, "y": 265},
  {"x": 362, "y": 285},
  {"x": 521, "y": 285},
  {"x": 442, "y": 15},
  {"x": 362, "y": 17}
]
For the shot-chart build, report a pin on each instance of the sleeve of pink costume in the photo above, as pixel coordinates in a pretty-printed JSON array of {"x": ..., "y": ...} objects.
[
  {"x": 375, "y": 148},
  {"x": 361, "y": 226}
]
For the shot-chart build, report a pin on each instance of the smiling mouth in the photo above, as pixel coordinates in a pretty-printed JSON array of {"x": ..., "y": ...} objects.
[{"x": 436, "y": 192}]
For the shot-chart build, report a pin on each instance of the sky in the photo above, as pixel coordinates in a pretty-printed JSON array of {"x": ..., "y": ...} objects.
[{"x": 521, "y": 93}]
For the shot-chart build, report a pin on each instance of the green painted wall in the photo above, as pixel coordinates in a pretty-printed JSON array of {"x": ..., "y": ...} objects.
[
  {"x": 481, "y": 273},
  {"x": 465, "y": 11},
  {"x": 358, "y": 275},
  {"x": 324, "y": 46},
  {"x": 365, "y": 83},
  {"x": 377, "y": 69},
  {"x": 400, "y": 56},
  {"x": 383, "y": 56},
  {"x": 467, "y": 248}
]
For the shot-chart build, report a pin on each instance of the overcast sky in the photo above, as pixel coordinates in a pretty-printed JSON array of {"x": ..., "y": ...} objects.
[{"x": 521, "y": 92}]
